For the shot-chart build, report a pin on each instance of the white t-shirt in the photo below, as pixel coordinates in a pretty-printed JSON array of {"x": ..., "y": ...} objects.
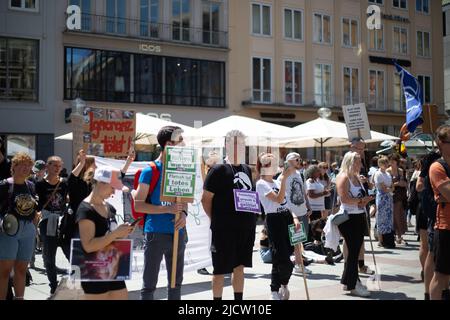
[
  {"x": 316, "y": 204},
  {"x": 295, "y": 194},
  {"x": 382, "y": 178},
  {"x": 264, "y": 188}
]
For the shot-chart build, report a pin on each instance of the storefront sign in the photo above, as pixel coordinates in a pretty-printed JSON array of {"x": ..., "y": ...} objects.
[
  {"x": 357, "y": 121},
  {"x": 150, "y": 48},
  {"x": 180, "y": 165}
]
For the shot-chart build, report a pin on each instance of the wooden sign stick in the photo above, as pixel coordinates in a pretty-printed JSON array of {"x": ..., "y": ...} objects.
[
  {"x": 176, "y": 234},
  {"x": 298, "y": 257}
]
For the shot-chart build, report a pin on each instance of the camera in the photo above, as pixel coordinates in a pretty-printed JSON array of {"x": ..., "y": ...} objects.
[{"x": 9, "y": 225}]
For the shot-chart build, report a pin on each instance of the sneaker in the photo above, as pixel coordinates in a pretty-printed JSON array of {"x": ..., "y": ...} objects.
[
  {"x": 360, "y": 285},
  {"x": 329, "y": 259},
  {"x": 298, "y": 269},
  {"x": 360, "y": 292},
  {"x": 203, "y": 271},
  {"x": 338, "y": 258},
  {"x": 284, "y": 293},
  {"x": 275, "y": 296},
  {"x": 366, "y": 270}
]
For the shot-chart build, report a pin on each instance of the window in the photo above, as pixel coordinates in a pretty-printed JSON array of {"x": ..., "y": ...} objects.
[
  {"x": 116, "y": 13},
  {"x": 262, "y": 80},
  {"x": 211, "y": 20},
  {"x": 181, "y": 20},
  {"x": 376, "y": 39},
  {"x": 86, "y": 18},
  {"x": 350, "y": 34},
  {"x": 322, "y": 28},
  {"x": 20, "y": 143},
  {"x": 399, "y": 97},
  {"x": 322, "y": 84},
  {"x": 261, "y": 19},
  {"x": 423, "y": 44},
  {"x": 423, "y": 6},
  {"x": 19, "y": 75},
  {"x": 149, "y": 18},
  {"x": 100, "y": 75},
  {"x": 425, "y": 85},
  {"x": 376, "y": 1},
  {"x": 351, "y": 86},
  {"x": 376, "y": 90},
  {"x": 28, "y": 5},
  {"x": 400, "y": 40},
  {"x": 400, "y": 4},
  {"x": 293, "y": 82},
  {"x": 293, "y": 24}
]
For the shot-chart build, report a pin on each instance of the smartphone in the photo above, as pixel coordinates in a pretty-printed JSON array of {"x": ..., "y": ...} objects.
[
  {"x": 287, "y": 165},
  {"x": 136, "y": 221}
]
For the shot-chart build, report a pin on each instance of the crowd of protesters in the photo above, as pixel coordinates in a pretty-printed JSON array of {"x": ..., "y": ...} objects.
[{"x": 51, "y": 209}]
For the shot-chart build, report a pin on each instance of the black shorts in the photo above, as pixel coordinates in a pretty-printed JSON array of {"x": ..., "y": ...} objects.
[
  {"x": 328, "y": 203},
  {"x": 441, "y": 251},
  {"x": 99, "y": 287},
  {"x": 231, "y": 248},
  {"x": 421, "y": 219}
]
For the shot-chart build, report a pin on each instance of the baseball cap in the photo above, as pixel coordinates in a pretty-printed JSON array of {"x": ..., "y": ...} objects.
[
  {"x": 111, "y": 176},
  {"x": 38, "y": 166},
  {"x": 292, "y": 156}
]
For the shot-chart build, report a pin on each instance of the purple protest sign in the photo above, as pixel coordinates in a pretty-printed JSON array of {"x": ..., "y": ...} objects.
[{"x": 246, "y": 201}]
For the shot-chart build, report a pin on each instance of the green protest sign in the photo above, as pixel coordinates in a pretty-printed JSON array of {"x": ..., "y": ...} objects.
[
  {"x": 297, "y": 237},
  {"x": 179, "y": 172}
]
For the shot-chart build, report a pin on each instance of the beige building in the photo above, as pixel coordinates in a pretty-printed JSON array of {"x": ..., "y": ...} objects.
[{"x": 290, "y": 57}]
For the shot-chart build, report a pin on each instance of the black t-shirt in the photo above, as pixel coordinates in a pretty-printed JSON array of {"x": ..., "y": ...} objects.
[
  {"x": 221, "y": 180},
  {"x": 102, "y": 224},
  {"x": 78, "y": 191},
  {"x": 59, "y": 198},
  {"x": 22, "y": 202},
  {"x": 427, "y": 195},
  {"x": 5, "y": 169}
]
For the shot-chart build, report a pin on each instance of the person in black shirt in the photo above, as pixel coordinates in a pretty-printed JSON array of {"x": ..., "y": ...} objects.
[
  {"x": 233, "y": 232},
  {"x": 5, "y": 164},
  {"x": 94, "y": 218},
  {"x": 17, "y": 198}
]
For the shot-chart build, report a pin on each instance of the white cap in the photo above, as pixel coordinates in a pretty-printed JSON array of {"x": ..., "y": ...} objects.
[
  {"x": 292, "y": 156},
  {"x": 111, "y": 176}
]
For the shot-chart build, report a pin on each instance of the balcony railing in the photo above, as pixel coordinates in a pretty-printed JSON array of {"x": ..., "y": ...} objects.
[
  {"x": 275, "y": 98},
  {"x": 134, "y": 28}
]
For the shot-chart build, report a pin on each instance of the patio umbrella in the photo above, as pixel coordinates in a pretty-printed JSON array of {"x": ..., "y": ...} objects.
[
  {"x": 326, "y": 133},
  {"x": 257, "y": 132}
]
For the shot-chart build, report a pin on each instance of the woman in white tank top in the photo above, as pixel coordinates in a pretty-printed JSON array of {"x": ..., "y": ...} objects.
[{"x": 353, "y": 200}]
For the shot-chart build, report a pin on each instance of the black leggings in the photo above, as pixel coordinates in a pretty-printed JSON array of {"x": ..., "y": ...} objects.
[
  {"x": 353, "y": 232},
  {"x": 277, "y": 227}
]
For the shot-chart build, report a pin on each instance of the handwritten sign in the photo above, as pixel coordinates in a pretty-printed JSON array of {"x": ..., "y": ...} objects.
[
  {"x": 299, "y": 236},
  {"x": 357, "y": 121},
  {"x": 108, "y": 132},
  {"x": 180, "y": 166}
]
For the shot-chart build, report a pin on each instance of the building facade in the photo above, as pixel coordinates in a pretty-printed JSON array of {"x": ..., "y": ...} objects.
[{"x": 201, "y": 60}]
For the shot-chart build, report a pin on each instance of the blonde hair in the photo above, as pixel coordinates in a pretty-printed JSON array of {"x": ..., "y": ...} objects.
[
  {"x": 52, "y": 159},
  {"x": 348, "y": 162},
  {"x": 20, "y": 158}
]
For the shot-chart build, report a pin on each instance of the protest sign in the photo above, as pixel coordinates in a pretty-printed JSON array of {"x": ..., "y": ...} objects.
[
  {"x": 357, "y": 121},
  {"x": 112, "y": 263},
  {"x": 299, "y": 236}
]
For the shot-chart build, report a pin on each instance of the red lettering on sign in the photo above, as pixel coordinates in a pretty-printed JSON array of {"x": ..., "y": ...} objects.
[
  {"x": 96, "y": 126},
  {"x": 112, "y": 145}
]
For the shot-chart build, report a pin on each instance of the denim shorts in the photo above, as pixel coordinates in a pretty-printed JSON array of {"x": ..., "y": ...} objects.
[{"x": 21, "y": 246}]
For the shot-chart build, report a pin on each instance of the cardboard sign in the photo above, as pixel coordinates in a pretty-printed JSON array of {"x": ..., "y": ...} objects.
[
  {"x": 246, "y": 201},
  {"x": 357, "y": 121},
  {"x": 105, "y": 132},
  {"x": 180, "y": 166},
  {"x": 299, "y": 236},
  {"x": 112, "y": 263},
  {"x": 77, "y": 134}
]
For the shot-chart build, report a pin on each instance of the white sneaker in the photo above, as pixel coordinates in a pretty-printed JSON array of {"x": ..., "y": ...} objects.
[
  {"x": 359, "y": 283},
  {"x": 298, "y": 269},
  {"x": 284, "y": 293},
  {"x": 360, "y": 292},
  {"x": 275, "y": 296}
]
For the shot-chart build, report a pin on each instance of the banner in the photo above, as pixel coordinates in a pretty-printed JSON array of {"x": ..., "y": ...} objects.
[
  {"x": 197, "y": 254},
  {"x": 107, "y": 132}
]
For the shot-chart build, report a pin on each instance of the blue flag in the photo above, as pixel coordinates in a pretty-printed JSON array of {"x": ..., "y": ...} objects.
[{"x": 413, "y": 97}]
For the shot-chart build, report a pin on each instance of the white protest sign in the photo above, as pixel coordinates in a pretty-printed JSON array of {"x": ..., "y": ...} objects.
[{"x": 357, "y": 121}]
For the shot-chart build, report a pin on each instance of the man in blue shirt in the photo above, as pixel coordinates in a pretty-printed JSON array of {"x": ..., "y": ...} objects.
[{"x": 159, "y": 223}]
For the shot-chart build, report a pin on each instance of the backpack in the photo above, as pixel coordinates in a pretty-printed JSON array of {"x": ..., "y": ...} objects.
[{"x": 153, "y": 182}]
